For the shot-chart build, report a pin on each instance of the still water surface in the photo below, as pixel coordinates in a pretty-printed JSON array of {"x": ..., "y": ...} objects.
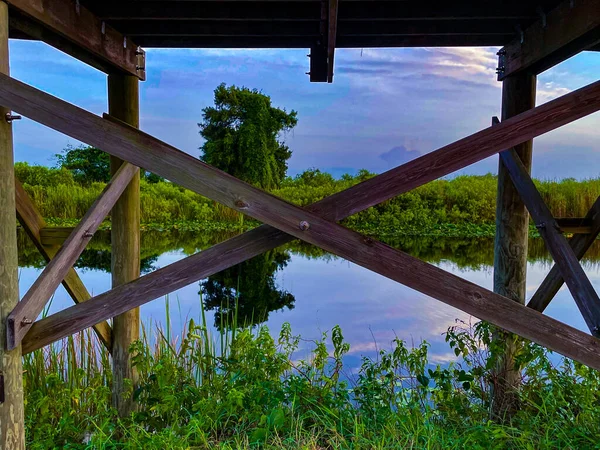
[{"x": 314, "y": 291}]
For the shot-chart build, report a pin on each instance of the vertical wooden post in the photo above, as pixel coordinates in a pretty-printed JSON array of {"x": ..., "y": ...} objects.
[
  {"x": 510, "y": 249},
  {"x": 12, "y": 426},
  {"x": 123, "y": 103}
]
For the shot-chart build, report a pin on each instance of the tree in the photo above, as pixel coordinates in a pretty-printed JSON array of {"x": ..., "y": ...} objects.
[
  {"x": 242, "y": 134},
  {"x": 248, "y": 292},
  {"x": 90, "y": 164},
  {"x": 87, "y": 164}
]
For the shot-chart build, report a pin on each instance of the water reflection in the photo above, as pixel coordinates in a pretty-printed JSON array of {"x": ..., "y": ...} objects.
[
  {"x": 245, "y": 294},
  {"x": 313, "y": 290}
]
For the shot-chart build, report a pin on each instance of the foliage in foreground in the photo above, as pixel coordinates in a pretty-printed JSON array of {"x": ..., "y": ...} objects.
[{"x": 256, "y": 391}]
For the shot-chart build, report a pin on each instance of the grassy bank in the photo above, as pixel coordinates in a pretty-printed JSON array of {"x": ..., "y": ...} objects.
[
  {"x": 246, "y": 389},
  {"x": 461, "y": 207}
]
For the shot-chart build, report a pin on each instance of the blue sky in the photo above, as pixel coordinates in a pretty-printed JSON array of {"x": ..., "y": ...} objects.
[{"x": 385, "y": 107}]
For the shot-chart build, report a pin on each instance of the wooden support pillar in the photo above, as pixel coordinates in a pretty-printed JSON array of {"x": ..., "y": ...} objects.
[
  {"x": 12, "y": 426},
  {"x": 510, "y": 248},
  {"x": 123, "y": 104}
]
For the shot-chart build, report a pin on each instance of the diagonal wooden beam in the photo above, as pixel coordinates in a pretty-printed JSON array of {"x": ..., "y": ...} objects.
[
  {"x": 143, "y": 150},
  {"x": 31, "y": 305},
  {"x": 33, "y": 223},
  {"x": 331, "y": 37},
  {"x": 362, "y": 250},
  {"x": 569, "y": 28},
  {"x": 580, "y": 244},
  {"x": 192, "y": 173},
  {"x": 582, "y": 290}
]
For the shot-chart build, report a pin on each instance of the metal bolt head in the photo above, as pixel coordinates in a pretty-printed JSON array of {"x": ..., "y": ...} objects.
[
  {"x": 26, "y": 321},
  {"x": 304, "y": 225},
  {"x": 241, "y": 204},
  {"x": 9, "y": 117}
]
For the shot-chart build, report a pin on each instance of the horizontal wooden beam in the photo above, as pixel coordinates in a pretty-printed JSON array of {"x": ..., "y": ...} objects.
[
  {"x": 130, "y": 144},
  {"x": 33, "y": 302},
  {"x": 32, "y": 222},
  {"x": 150, "y": 10},
  {"x": 574, "y": 225},
  {"x": 72, "y": 28},
  {"x": 571, "y": 27},
  {"x": 139, "y": 28},
  {"x": 582, "y": 290},
  {"x": 447, "y": 40},
  {"x": 55, "y": 235},
  {"x": 580, "y": 244}
]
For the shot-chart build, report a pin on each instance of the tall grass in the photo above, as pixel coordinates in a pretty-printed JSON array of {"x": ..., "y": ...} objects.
[
  {"x": 257, "y": 390},
  {"x": 462, "y": 200}
]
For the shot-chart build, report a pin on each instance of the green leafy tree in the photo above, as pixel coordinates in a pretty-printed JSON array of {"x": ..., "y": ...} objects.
[
  {"x": 87, "y": 164},
  {"x": 90, "y": 164},
  {"x": 242, "y": 136}
]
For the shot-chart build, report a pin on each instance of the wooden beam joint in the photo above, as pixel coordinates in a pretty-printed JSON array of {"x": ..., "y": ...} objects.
[
  {"x": 73, "y": 29},
  {"x": 577, "y": 281},
  {"x": 571, "y": 27}
]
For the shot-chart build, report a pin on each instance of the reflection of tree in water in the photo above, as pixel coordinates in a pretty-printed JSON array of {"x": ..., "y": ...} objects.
[{"x": 252, "y": 285}]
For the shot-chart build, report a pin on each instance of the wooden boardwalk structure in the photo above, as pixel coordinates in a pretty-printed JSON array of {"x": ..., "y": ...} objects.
[{"x": 111, "y": 35}]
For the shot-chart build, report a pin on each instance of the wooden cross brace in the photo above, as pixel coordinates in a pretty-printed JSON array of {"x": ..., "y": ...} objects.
[
  {"x": 285, "y": 219},
  {"x": 31, "y": 305},
  {"x": 565, "y": 258},
  {"x": 33, "y": 223},
  {"x": 580, "y": 244}
]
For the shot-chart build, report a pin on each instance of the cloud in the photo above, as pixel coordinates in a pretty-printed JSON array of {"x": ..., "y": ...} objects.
[{"x": 399, "y": 155}]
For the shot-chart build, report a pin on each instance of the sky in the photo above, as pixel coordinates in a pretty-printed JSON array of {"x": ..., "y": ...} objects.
[{"x": 385, "y": 106}]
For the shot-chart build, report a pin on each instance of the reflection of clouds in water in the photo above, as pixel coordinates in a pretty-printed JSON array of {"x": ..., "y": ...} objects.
[{"x": 370, "y": 309}]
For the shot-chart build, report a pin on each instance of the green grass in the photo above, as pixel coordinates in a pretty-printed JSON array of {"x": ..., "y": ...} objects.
[
  {"x": 460, "y": 207},
  {"x": 249, "y": 389}
]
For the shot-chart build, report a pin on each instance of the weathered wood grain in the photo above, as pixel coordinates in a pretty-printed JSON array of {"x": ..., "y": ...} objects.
[
  {"x": 580, "y": 244},
  {"x": 34, "y": 225},
  {"x": 72, "y": 28},
  {"x": 577, "y": 281},
  {"x": 510, "y": 244},
  {"x": 574, "y": 225},
  {"x": 54, "y": 236},
  {"x": 571, "y": 27},
  {"x": 123, "y": 103},
  {"x": 31, "y": 305},
  {"x": 12, "y": 425}
]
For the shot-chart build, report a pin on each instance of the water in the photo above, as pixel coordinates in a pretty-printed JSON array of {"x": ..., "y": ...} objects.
[{"x": 314, "y": 291}]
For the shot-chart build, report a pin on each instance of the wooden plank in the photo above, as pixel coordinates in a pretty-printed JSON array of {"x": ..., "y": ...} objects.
[
  {"x": 574, "y": 225},
  {"x": 571, "y": 27},
  {"x": 54, "y": 236},
  {"x": 34, "y": 224},
  {"x": 31, "y": 305},
  {"x": 554, "y": 280},
  {"x": 376, "y": 256},
  {"x": 331, "y": 37},
  {"x": 12, "y": 422},
  {"x": 582, "y": 290},
  {"x": 510, "y": 245},
  {"x": 145, "y": 151},
  {"x": 123, "y": 103},
  {"x": 73, "y": 29}
]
